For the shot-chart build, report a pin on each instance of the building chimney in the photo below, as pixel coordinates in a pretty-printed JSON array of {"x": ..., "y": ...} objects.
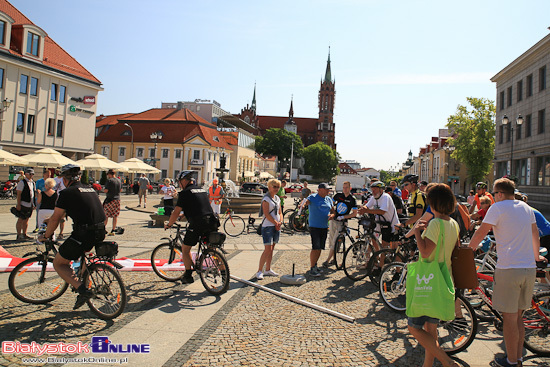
[{"x": 180, "y": 106}]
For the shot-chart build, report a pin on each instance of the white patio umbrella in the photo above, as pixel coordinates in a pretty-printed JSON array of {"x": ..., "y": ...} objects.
[
  {"x": 266, "y": 175},
  {"x": 97, "y": 162},
  {"x": 248, "y": 174},
  {"x": 47, "y": 157},
  {"x": 12, "y": 159},
  {"x": 135, "y": 165}
]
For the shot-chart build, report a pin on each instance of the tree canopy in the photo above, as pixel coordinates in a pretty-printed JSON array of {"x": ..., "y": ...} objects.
[
  {"x": 473, "y": 132},
  {"x": 321, "y": 161},
  {"x": 279, "y": 142}
]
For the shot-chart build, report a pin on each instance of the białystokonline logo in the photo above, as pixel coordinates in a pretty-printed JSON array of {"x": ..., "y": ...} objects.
[{"x": 99, "y": 344}]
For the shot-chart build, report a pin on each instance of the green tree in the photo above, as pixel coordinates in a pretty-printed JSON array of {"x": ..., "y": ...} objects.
[
  {"x": 279, "y": 142},
  {"x": 84, "y": 177},
  {"x": 473, "y": 131},
  {"x": 388, "y": 176},
  {"x": 321, "y": 161}
]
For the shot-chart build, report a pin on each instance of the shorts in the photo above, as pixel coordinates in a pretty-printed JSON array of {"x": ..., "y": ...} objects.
[
  {"x": 112, "y": 208},
  {"x": 73, "y": 249},
  {"x": 142, "y": 192},
  {"x": 418, "y": 322},
  {"x": 200, "y": 228},
  {"x": 513, "y": 289},
  {"x": 270, "y": 235},
  {"x": 26, "y": 212},
  {"x": 318, "y": 238},
  {"x": 387, "y": 235}
]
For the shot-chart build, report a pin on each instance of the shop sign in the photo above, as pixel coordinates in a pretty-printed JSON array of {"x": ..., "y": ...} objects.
[{"x": 197, "y": 162}]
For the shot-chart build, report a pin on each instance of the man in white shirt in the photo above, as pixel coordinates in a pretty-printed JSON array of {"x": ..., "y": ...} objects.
[
  {"x": 381, "y": 205},
  {"x": 514, "y": 225}
]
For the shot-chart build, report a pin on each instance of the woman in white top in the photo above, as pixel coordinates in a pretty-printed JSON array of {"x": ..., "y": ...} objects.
[
  {"x": 169, "y": 192},
  {"x": 271, "y": 227}
]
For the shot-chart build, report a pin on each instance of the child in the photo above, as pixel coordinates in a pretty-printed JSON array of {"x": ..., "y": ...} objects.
[
  {"x": 485, "y": 203},
  {"x": 442, "y": 202}
]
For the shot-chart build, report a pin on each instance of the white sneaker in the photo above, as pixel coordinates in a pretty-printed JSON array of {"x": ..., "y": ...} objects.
[
  {"x": 259, "y": 275},
  {"x": 270, "y": 273}
]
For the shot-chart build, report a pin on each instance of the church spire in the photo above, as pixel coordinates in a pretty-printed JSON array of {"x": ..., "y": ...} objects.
[
  {"x": 253, "y": 106},
  {"x": 328, "y": 75},
  {"x": 291, "y": 111}
]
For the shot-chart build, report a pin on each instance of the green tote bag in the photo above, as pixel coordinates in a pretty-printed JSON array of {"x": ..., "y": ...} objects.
[{"x": 430, "y": 288}]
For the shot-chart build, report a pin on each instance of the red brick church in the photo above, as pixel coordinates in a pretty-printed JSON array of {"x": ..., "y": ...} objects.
[{"x": 311, "y": 130}]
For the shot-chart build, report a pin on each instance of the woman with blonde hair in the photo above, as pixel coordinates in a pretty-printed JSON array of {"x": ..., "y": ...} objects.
[
  {"x": 169, "y": 192},
  {"x": 46, "y": 199},
  {"x": 271, "y": 227}
]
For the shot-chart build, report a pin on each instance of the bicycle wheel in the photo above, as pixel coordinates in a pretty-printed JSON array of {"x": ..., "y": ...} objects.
[
  {"x": 356, "y": 260},
  {"x": 167, "y": 262},
  {"x": 109, "y": 297},
  {"x": 286, "y": 214},
  {"x": 537, "y": 325},
  {"x": 234, "y": 226},
  {"x": 456, "y": 335},
  {"x": 392, "y": 286},
  {"x": 214, "y": 272},
  {"x": 376, "y": 264},
  {"x": 482, "y": 310},
  {"x": 340, "y": 251},
  {"x": 35, "y": 281},
  {"x": 299, "y": 222}
]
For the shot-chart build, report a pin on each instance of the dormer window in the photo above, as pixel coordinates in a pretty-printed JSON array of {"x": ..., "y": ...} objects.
[
  {"x": 33, "y": 42},
  {"x": 2, "y": 32},
  {"x": 5, "y": 30}
]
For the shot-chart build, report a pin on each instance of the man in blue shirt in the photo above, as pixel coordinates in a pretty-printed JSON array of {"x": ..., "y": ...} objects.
[
  {"x": 395, "y": 188},
  {"x": 319, "y": 215}
]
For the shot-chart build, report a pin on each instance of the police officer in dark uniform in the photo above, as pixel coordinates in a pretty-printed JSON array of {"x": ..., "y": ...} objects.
[
  {"x": 195, "y": 204},
  {"x": 84, "y": 207}
]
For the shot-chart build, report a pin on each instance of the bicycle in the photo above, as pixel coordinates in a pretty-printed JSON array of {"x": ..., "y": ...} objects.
[
  {"x": 35, "y": 281},
  {"x": 357, "y": 256},
  {"x": 340, "y": 243},
  {"x": 299, "y": 221},
  {"x": 209, "y": 262},
  {"x": 233, "y": 225}
]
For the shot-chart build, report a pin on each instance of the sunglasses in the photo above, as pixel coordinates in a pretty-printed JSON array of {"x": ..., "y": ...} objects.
[
  {"x": 498, "y": 192},
  {"x": 392, "y": 185},
  {"x": 406, "y": 184}
]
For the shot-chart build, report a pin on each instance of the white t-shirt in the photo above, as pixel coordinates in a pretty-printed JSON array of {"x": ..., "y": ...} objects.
[
  {"x": 274, "y": 205},
  {"x": 384, "y": 203},
  {"x": 59, "y": 185},
  {"x": 168, "y": 191},
  {"x": 512, "y": 221}
]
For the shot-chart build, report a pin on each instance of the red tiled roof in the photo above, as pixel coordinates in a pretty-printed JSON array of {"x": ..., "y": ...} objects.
[
  {"x": 230, "y": 137},
  {"x": 174, "y": 131},
  {"x": 103, "y": 120},
  {"x": 304, "y": 124},
  {"x": 168, "y": 114},
  {"x": 54, "y": 56}
]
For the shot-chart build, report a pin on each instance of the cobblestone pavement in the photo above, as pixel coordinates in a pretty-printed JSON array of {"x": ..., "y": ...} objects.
[{"x": 253, "y": 328}]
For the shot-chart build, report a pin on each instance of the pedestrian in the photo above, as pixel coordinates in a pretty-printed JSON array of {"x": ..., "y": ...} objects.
[
  {"x": 40, "y": 184},
  {"x": 111, "y": 204},
  {"x": 417, "y": 199},
  {"x": 281, "y": 194},
  {"x": 345, "y": 207},
  {"x": 395, "y": 188},
  {"x": 470, "y": 198},
  {"x": 26, "y": 193},
  {"x": 422, "y": 186},
  {"x": 60, "y": 186},
  {"x": 305, "y": 191},
  {"x": 319, "y": 215},
  {"x": 169, "y": 192},
  {"x": 142, "y": 193},
  {"x": 442, "y": 202},
  {"x": 397, "y": 201},
  {"x": 517, "y": 243},
  {"x": 271, "y": 227},
  {"x": 215, "y": 196},
  {"x": 481, "y": 188},
  {"x": 381, "y": 205},
  {"x": 46, "y": 199}
]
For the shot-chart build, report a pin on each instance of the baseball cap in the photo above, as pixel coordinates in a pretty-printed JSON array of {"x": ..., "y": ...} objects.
[
  {"x": 29, "y": 170},
  {"x": 323, "y": 185}
]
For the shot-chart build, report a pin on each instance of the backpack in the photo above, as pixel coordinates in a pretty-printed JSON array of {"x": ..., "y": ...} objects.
[
  {"x": 459, "y": 217},
  {"x": 465, "y": 215}
]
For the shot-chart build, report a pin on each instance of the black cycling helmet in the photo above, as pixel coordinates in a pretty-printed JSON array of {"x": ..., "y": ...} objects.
[
  {"x": 71, "y": 172},
  {"x": 187, "y": 174},
  {"x": 481, "y": 185},
  {"x": 410, "y": 178}
]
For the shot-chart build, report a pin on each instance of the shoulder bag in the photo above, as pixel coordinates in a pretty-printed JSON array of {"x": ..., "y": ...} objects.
[
  {"x": 464, "y": 268},
  {"x": 430, "y": 290},
  {"x": 259, "y": 229}
]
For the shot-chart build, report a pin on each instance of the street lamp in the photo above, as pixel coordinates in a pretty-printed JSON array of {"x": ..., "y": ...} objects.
[
  {"x": 156, "y": 136},
  {"x": 519, "y": 122},
  {"x": 5, "y": 105},
  {"x": 132, "y": 146}
]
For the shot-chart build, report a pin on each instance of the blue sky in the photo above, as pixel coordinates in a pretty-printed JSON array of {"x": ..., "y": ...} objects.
[{"x": 401, "y": 67}]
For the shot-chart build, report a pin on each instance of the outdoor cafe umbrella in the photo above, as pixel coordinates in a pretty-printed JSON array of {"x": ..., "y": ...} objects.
[
  {"x": 97, "y": 162},
  {"x": 248, "y": 174},
  {"x": 11, "y": 159},
  {"x": 135, "y": 165},
  {"x": 47, "y": 157},
  {"x": 266, "y": 175}
]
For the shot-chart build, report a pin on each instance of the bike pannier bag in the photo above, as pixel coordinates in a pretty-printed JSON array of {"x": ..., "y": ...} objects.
[
  {"x": 464, "y": 268},
  {"x": 107, "y": 249},
  {"x": 216, "y": 238}
]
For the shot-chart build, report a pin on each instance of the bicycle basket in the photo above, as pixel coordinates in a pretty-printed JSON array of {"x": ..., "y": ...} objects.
[
  {"x": 106, "y": 249},
  {"x": 216, "y": 238},
  {"x": 368, "y": 222}
]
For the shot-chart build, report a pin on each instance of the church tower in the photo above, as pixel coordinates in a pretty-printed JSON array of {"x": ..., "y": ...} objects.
[
  {"x": 290, "y": 125},
  {"x": 325, "y": 125},
  {"x": 249, "y": 115}
]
